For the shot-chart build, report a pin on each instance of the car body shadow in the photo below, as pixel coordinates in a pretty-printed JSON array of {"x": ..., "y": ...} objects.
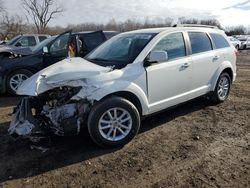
[
  {"x": 8, "y": 100},
  {"x": 17, "y": 160}
]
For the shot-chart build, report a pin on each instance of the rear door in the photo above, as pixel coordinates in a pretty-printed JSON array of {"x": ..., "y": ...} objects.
[
  {"x": 58, "y": 49},
  {"x": 204, "y": 62}
]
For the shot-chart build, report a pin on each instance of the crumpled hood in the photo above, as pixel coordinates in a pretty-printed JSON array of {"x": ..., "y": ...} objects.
[
  {"x": 66, "y": 70},
  {"x": 15, "y": 50}
]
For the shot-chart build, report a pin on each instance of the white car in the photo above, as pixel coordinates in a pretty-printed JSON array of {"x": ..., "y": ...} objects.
[
  {"x": 245, "y": 42},
  {"x": 130, "y": 76},
  {"x": 235, "y": 42}
]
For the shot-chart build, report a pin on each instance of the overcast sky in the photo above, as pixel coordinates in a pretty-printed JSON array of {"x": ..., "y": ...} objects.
[{"x": 228, "y": 12}]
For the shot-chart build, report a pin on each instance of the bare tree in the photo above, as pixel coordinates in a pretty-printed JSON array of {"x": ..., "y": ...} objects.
[
  {"x": 236, "y": 30},
  {"x": 183, "y": 20},
  {"x": 11, "y": 26},
  {"x": 1, "y": 6},
  {"x": 212, "y": 22},
  {"x": 42, "y": 12}
]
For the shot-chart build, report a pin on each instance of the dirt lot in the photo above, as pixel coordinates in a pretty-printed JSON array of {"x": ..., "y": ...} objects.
[{"x": 193, "y": 145}]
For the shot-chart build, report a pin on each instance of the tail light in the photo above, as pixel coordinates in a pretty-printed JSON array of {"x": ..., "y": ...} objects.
[{"x": 236, "y": 52}]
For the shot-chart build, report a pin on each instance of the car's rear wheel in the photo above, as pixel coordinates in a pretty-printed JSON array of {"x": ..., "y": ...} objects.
[
  {"x": 113, "y": 122},
  {"x": 15, "y": 79},
  {"x": 222, "y": 89}
]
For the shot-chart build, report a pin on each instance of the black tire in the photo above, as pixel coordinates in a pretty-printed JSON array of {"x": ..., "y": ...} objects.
[
  {"x": 237, "y": 47},
  {"x": 215, "y": 97},
  {"x": 244, "y": 47},
  {"x": 100, "y": 109},
  {"x": 8, "y": 84}
]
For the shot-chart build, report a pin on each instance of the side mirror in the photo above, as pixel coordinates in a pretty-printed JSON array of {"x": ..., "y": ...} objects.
[
  {"x": 45, "y": 50},
  {"x": 157, "y": 57}
]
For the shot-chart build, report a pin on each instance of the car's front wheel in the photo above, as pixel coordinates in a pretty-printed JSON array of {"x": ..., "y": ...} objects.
[
  {"x": 222, "y": 89},
  {"x": 15, "y": 79},
  {"x": 113, "y": 122}
]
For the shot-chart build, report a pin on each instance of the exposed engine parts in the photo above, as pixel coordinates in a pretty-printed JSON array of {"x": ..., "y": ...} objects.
[
  {"x": 9, "y": 55},
  {"x": 51, "y": 113}
]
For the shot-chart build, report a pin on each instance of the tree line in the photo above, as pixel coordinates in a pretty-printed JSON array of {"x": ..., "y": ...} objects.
[{"x": 40, "y": 13}]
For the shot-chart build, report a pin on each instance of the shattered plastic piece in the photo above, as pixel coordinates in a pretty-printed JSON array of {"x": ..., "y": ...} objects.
[{"x": 22, "y": 120}]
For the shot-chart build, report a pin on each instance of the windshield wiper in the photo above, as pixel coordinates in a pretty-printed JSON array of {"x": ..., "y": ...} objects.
[{"x": 99, "y": 59}]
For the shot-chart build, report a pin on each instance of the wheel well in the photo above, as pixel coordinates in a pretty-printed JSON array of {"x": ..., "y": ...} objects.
[
  {"x": 229, "y": 71},
  {"x": 129, "y": 96},
  {"x": 17, "y": 69}
]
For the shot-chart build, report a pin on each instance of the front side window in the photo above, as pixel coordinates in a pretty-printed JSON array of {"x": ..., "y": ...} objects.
[
  {"x": 42, "y": 44},
  {"x": 200, "y": 42},
  {"x": 61, "y": 43},
  {"x": 220, "y": 41},
  {"x": 173, "y": 44},
  {"x": 26, "y": 41}
]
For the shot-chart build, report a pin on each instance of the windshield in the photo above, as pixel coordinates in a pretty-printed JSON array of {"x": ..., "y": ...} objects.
[
  {"x": 121, "y": 49},
  {"x": 42, "y": 44},
  {"x": 13, "y": 40}
]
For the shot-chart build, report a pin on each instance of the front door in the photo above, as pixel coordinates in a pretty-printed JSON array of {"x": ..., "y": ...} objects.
[
  {"x": 58, "y": 49},
  {"x": 169, "y": 82}
]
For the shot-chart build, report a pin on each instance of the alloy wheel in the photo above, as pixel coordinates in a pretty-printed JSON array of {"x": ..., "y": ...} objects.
[
  {"x": 115, "y": 124},
  {"x": 16, "y": 80}
]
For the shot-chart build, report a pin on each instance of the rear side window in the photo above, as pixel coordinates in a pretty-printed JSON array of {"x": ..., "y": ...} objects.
[
  {"x": 173, "y": 44},
  {"x": 200, "y": 42},
  {"x": 219, "y": 41},
  {"x": 42, "y": 38}
]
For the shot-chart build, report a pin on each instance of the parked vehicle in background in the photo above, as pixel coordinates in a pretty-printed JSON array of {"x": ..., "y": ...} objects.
[
  {"x": 132, "y": 75},
  {"x": 245, "y": 42},
  {"x": 19, "y": 64},
  {"x": 235, "y": 42},
  {"x": 27, "y": 40}
]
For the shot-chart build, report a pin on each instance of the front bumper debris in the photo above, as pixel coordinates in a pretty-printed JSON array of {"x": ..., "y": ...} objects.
[
  {"x": 23, "y": 123},
  {"x": 35, "y": 118}
]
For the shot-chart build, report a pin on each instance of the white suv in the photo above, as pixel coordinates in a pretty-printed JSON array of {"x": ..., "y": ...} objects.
[{"x": 132, "y": 75}]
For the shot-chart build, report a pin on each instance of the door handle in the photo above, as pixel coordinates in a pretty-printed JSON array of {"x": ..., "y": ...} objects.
[
  {"x": 216, "y": 58},
  {"x": 185, "y": 65}
]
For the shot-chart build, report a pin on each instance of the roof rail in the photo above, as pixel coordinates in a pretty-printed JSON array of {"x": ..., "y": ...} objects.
[{"x": 195, "y": 25}]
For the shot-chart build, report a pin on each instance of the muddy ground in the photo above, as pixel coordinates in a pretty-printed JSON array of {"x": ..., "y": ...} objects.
[{"x": 194, "y": 145}]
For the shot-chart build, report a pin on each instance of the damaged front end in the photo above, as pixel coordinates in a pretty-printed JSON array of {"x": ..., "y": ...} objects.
[
  {"x": 51, "y": 113},
  {"x": 59, "y": 99},
  {"x": 12, "y": 52}
]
